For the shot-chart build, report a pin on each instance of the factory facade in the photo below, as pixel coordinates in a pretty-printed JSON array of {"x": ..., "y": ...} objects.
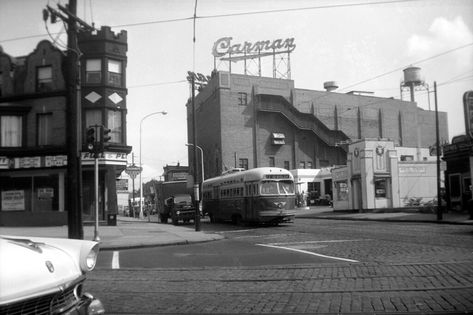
[{"x": 248, "y": 121}]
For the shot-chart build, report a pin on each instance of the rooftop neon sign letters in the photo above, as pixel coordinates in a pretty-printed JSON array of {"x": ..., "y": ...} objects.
[{"x": 223, "y": 47}]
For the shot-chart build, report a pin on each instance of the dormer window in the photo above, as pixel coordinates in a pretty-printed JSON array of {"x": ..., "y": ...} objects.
[
  {"x": 93, "y": 71},
  {"x": 44, "y": 79},
  {"x": 115, "y": 72}
]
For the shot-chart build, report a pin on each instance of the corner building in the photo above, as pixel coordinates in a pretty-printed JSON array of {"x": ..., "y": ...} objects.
[
  {"x": 33, "y": 146},
  {"x": 250, "y": 121}
]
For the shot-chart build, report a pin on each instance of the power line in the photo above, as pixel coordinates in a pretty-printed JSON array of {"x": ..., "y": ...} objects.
[
  {"x": 403, "y": 67},
  {"x": 236, "y": 14},
  {"x": 156, "y": 84}
]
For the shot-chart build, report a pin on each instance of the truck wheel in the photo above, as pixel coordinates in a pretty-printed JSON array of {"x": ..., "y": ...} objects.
[
  {"x": 175, "y": 221},
  {"x": 163, "y": 218},
  {"x": 236, "y": 219}
]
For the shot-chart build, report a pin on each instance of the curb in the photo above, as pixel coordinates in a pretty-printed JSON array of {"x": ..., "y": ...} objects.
[{"x": 387, "y": 220}]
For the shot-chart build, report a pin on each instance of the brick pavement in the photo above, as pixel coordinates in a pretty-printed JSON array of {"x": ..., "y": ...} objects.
[{"x": 371, "y": 288}]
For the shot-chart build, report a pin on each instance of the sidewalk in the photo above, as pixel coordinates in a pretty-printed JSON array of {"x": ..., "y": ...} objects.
[
  {"x": 131, "y": 232},
  {"x": 325, "y": 212},
  {"x": 128, "y": 233}
]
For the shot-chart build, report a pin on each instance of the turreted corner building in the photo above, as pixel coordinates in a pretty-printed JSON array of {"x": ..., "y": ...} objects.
[
  {"x": 251, "y": 121},
  {"x": 33, "y": 148}
]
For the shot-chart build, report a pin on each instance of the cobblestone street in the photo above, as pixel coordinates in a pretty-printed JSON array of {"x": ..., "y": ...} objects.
[{"x": 342, "y": 288}]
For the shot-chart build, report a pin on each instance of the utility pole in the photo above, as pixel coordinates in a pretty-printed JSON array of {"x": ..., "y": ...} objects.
[
  {"x": 73, "y": 115},
  {"x": 73, "y": 131},
  {"x": 437, "y": 144}
]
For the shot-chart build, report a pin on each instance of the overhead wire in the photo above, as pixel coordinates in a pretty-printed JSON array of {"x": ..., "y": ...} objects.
[{"x": 236, "y": 14}]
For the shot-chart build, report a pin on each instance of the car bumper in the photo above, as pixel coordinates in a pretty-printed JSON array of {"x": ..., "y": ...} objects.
[{"x": 88, "y": 305}]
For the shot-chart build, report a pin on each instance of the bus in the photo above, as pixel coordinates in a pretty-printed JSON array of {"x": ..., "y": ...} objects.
[{"x": 261, "y": 195}]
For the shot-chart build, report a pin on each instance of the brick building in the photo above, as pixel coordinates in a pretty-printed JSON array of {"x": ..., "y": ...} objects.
[
  {"x": 33, "y": 148},
  {"x": 251, "y": 121}
]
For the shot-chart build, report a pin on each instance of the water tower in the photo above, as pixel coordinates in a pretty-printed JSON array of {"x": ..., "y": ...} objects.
[{"x": 413, "y": 82}]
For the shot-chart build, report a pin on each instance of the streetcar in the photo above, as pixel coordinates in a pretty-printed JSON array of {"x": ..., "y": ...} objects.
[{"x": 262, "y": 195}]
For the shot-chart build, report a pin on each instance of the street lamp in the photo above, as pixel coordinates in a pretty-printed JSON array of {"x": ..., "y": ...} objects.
[
  {"x": 201, "y": 158},
  {"x": 141, "y": 168}
]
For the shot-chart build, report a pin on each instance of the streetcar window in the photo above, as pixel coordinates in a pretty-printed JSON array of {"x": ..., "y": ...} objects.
[
  {"x": 269, "y": 188},
  {"x": 286, "y": 187}
]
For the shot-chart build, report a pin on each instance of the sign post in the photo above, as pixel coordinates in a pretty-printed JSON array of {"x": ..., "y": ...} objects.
[{"x": 133, "y": 171}]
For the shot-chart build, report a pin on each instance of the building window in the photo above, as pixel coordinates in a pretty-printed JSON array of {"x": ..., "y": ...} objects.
[
  {"x": 243, "y": 163},
  {"x": 115, "y": 72},
  {"x": 380, "y": 187},
  {"x": 93, "y": 71},
  {"x": 272, "y": 162},
  {"x": 114, "y": 123},
  {"x": 302, "y": 164},
  {"x": 309, "y": 164},
  {"x": 342, "y": 190},
  {"x": 11, "y": 131},
  {"x": 44, "y": 79},
  {"x": 45, "y": 128},
  {"x": 407, "y": 158},
  {"x": 242, "y": 98},
  {"x": 287, "y": 165},
  {"x": 93, "y": 117}
]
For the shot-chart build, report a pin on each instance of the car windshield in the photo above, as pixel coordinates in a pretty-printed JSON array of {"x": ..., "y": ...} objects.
[
  {"x": 277, "y": 188},
  {"x": 182, "y": 199},
  {"x": 286, "y": 187}
]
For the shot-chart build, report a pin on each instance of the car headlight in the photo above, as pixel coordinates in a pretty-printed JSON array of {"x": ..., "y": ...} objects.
[
  {"x": 89, "y": 258},
  {"x": 178, "y": 212}
]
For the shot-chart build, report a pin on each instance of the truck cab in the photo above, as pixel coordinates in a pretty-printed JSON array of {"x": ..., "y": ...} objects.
[{"x": 178, "y": 207}]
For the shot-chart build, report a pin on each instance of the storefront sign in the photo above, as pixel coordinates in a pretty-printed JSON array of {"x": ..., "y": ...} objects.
[
  {"x": 45, "y": 193},
  {"x": 122, "y": 185},
  {"x": 411, "y": 169},
  {"x": 13, "y": 200},
  {"x": 55, "y": 161},
  {"x": 108, "y": 158},
  {"x": 223, "y": 47},
  {"x": 28, "y": 162}
]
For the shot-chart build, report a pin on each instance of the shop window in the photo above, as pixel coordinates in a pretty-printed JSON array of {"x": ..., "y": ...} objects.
[
  {"x": 243, "y": 163},
  {"x": 11, "y": 130},
  {"x": 45, "y": 128},
  {"x": 342, "y": 190},
  {"x": 380, "y": 187},
  {"x": 272, "y": 162},
  {"x": 44, "y": 79},
  {"x": 309, "y": 164},
  {"x": 302, "y": 164},
  {"x": 114, "y": 123},
  {"x": 93, "y": 71},
  {"x": 115, "y": 72},
  {"x": 242, "y": 98}
]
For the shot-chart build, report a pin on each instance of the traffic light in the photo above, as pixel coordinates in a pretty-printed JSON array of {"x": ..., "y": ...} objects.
[
  {"x": 104, "y": 137},
  {"x": 90, "y": 141}
]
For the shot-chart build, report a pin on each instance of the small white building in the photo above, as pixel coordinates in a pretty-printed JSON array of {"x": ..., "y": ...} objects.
[
  {"x": 380, "y": 175},
  {"x": 312, "y": 182}
]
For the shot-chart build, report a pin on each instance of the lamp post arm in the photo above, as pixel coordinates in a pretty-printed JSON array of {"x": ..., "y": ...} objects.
[{"x": 141, "y": 166}]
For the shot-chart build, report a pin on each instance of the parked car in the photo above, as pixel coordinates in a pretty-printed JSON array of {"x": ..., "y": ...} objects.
[{"x": 46, "y": 276}]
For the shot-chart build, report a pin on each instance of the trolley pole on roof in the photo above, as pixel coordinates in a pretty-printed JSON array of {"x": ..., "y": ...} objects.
[{"x": 196, "y": 184}]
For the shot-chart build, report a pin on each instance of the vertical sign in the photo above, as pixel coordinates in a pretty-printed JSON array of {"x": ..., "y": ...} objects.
[{"x": 468, "y": 108}]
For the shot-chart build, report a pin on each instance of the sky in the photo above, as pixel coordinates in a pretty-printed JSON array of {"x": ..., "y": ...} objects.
[{"x": 361, "y": 44}]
